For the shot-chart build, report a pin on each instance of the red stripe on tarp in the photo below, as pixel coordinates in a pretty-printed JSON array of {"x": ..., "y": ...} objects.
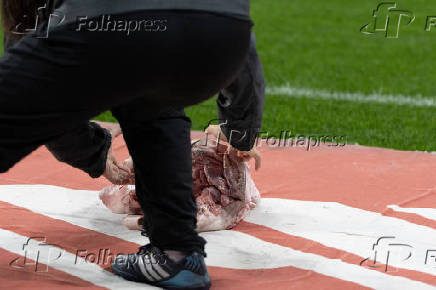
[
  {"x": 411, "y": 217},
  {"x": 279, "y": 278},
  {"x": 356, "y": 176}
]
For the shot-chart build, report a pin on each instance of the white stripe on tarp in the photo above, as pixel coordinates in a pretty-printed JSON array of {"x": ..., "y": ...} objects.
[
  {"x": 91, "y": 272},
  {"x": 228, "y": 249},
  {"x": 349, "y": 229},
  {"x": 294, "y": 92},
  {"x": 428, "y": 213}
]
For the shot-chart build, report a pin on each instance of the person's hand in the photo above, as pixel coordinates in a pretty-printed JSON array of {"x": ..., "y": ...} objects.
[
  {"x": 116, "y": 172},
  {"x": 215, "y": 130},
  {"x": 115, "y": 130},
  {"x": 253, "y": 153}
]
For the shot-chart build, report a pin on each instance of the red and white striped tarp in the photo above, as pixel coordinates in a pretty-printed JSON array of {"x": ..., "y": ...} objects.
[{"x": 330, "y": 218}]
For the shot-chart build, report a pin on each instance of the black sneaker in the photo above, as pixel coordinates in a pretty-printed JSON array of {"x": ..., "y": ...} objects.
[{"x": 152, "y": 266}]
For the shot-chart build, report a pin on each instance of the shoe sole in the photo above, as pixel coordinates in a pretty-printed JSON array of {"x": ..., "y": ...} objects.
[
  {"x": 125, "y": 275},
  {"x": 198, "y": 288},
  {"x": 130, "y": 277}
]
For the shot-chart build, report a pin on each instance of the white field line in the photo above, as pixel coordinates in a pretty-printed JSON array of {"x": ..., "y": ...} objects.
[{"x": 317, "y": 94}]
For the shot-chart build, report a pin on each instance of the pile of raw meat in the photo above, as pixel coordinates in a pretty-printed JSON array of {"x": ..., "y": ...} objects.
[{"x": 223, "y": 188}]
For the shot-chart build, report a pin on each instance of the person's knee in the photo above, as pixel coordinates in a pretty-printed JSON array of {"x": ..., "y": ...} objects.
[{"x": 8, "y": 160}]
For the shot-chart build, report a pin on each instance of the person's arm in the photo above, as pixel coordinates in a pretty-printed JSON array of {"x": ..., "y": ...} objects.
[
  {"x": 89, "y": 149},
  {"x": 85, "y": 148},
  {"x": 240, "y": 106}
]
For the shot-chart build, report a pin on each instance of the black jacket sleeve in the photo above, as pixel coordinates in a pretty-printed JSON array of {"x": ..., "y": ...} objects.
[
  {"x": 84, "y": 148},
  {"x": 240, "y": 106}
]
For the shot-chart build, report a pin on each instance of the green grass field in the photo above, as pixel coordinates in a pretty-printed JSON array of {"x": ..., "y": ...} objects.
[{"x": 316, "y": 45}]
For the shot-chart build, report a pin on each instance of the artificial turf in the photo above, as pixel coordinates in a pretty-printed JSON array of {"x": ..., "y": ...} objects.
[{"x": 317, "y": 44}]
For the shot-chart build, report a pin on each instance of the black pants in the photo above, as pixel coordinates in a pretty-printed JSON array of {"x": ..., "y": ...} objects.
[
  {"x": 50, "y": 88},
  {"x": 164, "y": 178}
]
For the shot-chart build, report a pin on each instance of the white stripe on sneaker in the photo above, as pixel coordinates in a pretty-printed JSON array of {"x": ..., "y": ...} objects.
[
  {"x": 150, "y": 269},
  {"x": 142, "y": 267},
  {"x": 164, "y": 274}
]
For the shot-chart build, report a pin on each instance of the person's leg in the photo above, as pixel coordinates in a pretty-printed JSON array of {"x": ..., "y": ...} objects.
[
  {"x": 161, "y": 153},
  {"x": 163, "y": 173},
  {"x": 43, "y": 85}
]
